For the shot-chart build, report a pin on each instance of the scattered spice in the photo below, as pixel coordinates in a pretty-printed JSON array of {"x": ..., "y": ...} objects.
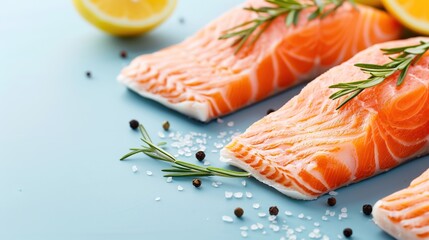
[
  {"x": 274, "y": 210},
  {"x": 270, "y": 111},
  {"x": 166, "y": 125},
  {"x": 134, "y": 124},
  {"x": 200, "y": 155},
  {"x": 347, "y": 232},
  {"x": 88, "y": 74},
  {"x": 196, "y": 182},
  {"x": 238, "y": 212},
  {"x": 367, "y": 209},
  {"x": 332, "y": 201},
  {"x": 123, "y": 54}
]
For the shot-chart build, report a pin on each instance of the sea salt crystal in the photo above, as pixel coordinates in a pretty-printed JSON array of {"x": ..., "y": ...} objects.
[
  {"x": 219, "y": 120},
  {"x": 256, "y": 205},
  {"x": 316, "y": 224},
  {"x": 262, "y": 214},
  {"x": 149, "y": 173},
  {"x": 244, "y": 234},
  {"x": 324, "y": 218},
  {"x": 288, "y": 213},
  {"x": 260, "y": 225},
  {"x": 274, "y": 227},
  {"x": 308, "y": 217},
  {"x": 249, "y": 195},
  {"x": 180, "y": 188},
  {"x": 228, "y": 195},
  {"x": 188, "y": 154},
  {"x": 206, "y": 163},
  {"x": 290, "y": 231},
  {"x": 301, "y": 215},
  {"x": 244, "y": 183},
  {"x": 339, "y": 236},
  {"x": 298, "y": 230},
  {"x": 325, "y": 237},
  {"x": 227, "y": 219},
  {"x": 230, "y": 124},
  {"x": 244, "y": 228},
  {"x": 254, "y": 227},
  {"x": 134, "y": 169},
  {"x": 333, "y": 193},
  {"x": 161, "y": 134},
  {"x": 218, "y": 145},
  {"x": 169, "y": 179},
  {"x": 214, "y": 151},
  {"x": 332, "y": 214},
  {"x": 214, "y": 184},
  {"x": 238, "y": 194},
  {"x": 264, "y": 232},
  {"x": 344, "y": 210},
  {"x": 157, "y": 199}
]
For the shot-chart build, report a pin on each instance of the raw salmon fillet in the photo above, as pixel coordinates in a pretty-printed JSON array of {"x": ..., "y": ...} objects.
[
  {"x": 405, "y": 214},
  {"x": 203, "y": 78},
  {"x": 308, "y": 148}
]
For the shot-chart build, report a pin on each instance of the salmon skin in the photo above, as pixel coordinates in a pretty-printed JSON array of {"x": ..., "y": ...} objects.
[
  {"x": 203, "y": 78},
  {"x": 308, "y": 148},
  {"x": 404, "y": 214}
]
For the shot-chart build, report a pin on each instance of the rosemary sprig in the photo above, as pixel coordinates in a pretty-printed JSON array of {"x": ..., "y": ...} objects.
[
  {"x": 292, "y": 8},
  {"x": 407, "y": 56},
  {"x": 178, "y": 168}
]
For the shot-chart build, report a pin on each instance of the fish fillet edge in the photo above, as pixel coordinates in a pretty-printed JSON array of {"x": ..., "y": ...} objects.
[{"x": 228, "y": 157}]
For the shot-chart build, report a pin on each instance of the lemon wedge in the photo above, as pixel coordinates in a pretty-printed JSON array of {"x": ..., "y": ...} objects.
[
  {"x": 125, "y": 17},
  {"x": 414, "y": 14},
  {"x": 374, "y": 3}
]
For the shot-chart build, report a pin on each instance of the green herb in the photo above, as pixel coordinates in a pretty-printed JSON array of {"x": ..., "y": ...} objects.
[
  {"x": 407, "y": 56},
  {"x": 179, "y": 168},
  {"x": 266, "y": 15}
]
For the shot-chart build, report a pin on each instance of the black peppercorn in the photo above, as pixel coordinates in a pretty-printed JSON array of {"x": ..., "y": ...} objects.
[
  {"x": 347, "y": 232},
  {"x": 367, "y": 209},
  {"x": 332, "y": 201},
  {"x": 196, "y": 182},
  {"x": 274, "y": 211},
  {"x": 270, "y": 111},
  {"x": 166, "y": 125},
  {"x": 238, "y": 212},
  {"x": 200, "y": 155},
  {"x": 134, "y": 124},
  {"x": 123, "y": 54}
]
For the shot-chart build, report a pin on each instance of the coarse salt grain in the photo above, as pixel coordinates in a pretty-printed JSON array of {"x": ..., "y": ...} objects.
[
  {"x": 254, "y": 227},
  {"x": 149, "y": 173},
  {"x": 169, "y": 179},
  {"x": 274, "y": 227},
  {"x": 301, "y": 215},
  {"x": 333, "y": 193},
  {"x": 161, "y": 134},
  {"x": 316, "y": 224},
  {"x": 272, "y": 218},
  {"x": 308, "y": 217},
  {"x": 157, "y": 199},
  {"x": 134, "y": 169},
  {"x": 228, "y": 195},
  {"x": 249, "y": 195},
  {"x": 206, "y": 163},
  {"x": 324, "y": 218},
  {"x": 256, "y": 205},
  {"x": 244, "y": 234},
  {"x": 227, "y": 219},
  {"x": 260, "y": 225},
  {"x": 214, "y": 184},
  {"x": 262, "y": 214},
  {"x": 219, "y": 120},
  {"x": 180, "y": 188},
  {"x": 238, "y": 194},
  {"x": 244, "y": 228},
  {"x": 230, "y": 124},
  {"x": 244, "y": 183},
  {"x": 288, "y": 213},
  {"x": 344, "y": 210}
]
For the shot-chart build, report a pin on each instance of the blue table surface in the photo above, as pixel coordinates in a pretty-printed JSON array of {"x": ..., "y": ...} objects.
[{"x": 61, "y": 135}]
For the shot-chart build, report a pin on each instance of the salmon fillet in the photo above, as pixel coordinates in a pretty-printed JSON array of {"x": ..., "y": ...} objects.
[
  {"x": 203, "y": 78},
  {"x": 405, "y": 214},
  {"x": 308, "y": 148}
]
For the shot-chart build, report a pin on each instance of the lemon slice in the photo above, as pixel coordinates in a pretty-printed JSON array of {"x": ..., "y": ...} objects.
[
  {"x": 414, "y": 14},
  {"x": 374, "y": 3},
  {"x": 125, "y": 17}
]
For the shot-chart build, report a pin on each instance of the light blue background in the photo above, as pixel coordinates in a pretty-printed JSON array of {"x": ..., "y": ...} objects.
[{"x": 61, "y": 135}]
